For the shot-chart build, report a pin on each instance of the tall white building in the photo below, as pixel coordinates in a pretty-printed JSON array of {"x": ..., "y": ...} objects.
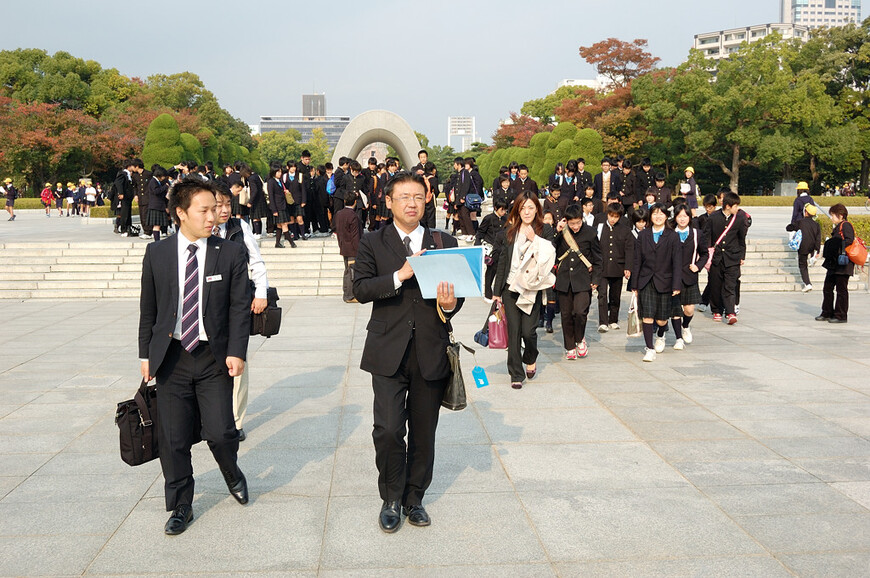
[
  {"x": 818, "y": 13},
  {"x": 461, "y": 126}
]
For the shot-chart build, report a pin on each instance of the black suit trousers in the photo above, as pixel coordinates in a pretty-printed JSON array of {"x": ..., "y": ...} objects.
[
  {"x": 840, "y": 310},
  {"x": 195, "y": 398},
  {"x": 126, "y": 215},
  {"x": 574, "y": 308},
  {"x": 724, "y": 287},
  {"x": 522, "y": 335},
  {"x": 405, "y": 398}
]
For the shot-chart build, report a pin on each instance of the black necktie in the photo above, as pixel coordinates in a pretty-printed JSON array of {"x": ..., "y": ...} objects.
[{"x": 407, "y": 242}]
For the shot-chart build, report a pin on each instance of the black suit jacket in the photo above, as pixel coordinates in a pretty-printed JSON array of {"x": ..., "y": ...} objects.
[
  {"x": 661, "y": 263},
  {"x": 732, "y": 249},
  {"x": 226, "y": 304},
  {"x": 398, "y": 314},
  {"x": 598, "y": 185}
]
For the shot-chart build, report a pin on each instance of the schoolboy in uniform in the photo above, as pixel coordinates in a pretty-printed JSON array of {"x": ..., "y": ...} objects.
[
  {"x": 727, "y": 235},
  {"x": 491, "y": 231},
  {"x": 617, "y": 253}
]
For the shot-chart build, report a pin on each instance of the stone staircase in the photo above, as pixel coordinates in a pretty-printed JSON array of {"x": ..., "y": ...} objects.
[{"x": 93, "y": 270}]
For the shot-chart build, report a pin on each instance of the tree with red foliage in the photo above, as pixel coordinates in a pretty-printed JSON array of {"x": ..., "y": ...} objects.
[
  {"x": 518, "y": 132},
  {"x": 620, "y": 62}
]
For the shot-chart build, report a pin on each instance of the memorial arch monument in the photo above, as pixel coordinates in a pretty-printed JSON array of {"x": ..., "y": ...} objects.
[{"x": 378, "y": 126}]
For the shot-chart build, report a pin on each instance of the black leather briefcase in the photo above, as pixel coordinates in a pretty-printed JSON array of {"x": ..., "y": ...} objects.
[{"x": 267, "y": 323}]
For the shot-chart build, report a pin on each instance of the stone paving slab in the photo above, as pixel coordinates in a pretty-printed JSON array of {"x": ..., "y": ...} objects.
[{"x": 747, "y": 454}]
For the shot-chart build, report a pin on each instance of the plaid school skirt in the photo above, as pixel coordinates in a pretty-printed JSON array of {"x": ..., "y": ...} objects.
[
  {"x": 655, "y": 305},
  {"x": 157, "y": 218},
  {"x": 260, "y": 210},
  {"x": 690, "y": 295}
]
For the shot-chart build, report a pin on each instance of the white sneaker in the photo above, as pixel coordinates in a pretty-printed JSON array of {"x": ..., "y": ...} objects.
[
  {"x": 582, "y": 349},
  {"x": 257, "y": 236},
  {"x": 125, "y": 234},
  {"x": 702, "y": 307},
  {"x": 687, "y": 335},
  {"x": 737, "y": 310},
  {"x": 603, "y": 328},
  {"x": 650, "y": 355},
  {"x": 659, "y": 344},
  {"x": 679, "y": 345},
  {"x": 614, "y": 326},
  {"x": 807, "y": 288}
]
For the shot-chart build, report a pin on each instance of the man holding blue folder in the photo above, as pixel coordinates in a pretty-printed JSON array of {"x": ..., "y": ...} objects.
[{"x": 405, "y": 351}]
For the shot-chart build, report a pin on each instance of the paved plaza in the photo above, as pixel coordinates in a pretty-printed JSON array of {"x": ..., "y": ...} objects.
[{"x": 747, "y": 454}]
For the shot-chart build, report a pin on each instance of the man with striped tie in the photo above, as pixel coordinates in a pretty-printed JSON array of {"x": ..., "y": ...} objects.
[{"x": 194, "y": 324}]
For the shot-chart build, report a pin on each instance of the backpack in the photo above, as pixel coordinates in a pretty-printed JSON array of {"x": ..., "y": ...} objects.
[
  {"x": 795, "y": 242},
  {"x": 330, "y": 185}
]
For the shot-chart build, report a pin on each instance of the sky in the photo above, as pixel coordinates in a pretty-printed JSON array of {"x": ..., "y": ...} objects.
[{"x": 422, "y": 60}]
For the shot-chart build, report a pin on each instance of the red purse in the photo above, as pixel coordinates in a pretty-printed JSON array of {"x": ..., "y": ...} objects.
[{"x": 857, "y": 251}]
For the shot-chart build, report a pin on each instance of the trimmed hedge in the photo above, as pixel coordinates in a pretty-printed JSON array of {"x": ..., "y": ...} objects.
[
  {"x": 753, "y": 201},
  {"x": 860, "y": 222}
]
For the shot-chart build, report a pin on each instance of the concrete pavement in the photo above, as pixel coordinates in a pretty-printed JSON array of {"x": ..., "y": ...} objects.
[{"x": 747, "y": 454}]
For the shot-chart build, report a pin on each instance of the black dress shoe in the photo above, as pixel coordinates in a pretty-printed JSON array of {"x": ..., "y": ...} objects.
[
  {"x": 242, "y": 435},
  {"x": 390, "y": 518},
  {"x": 549, "y": 327},
  {"x": 292, "y": 244},
  {"x": 822, "y": 318},
  {"x": 238, "y": 486},
  {"x": 835, "y": 320},
  {"x": 178, "y": 521},
  {"x": 417, "y": 515}
]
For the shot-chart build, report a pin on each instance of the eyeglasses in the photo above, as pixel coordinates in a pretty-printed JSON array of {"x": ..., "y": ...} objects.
[{"x": 407, "y": 199}]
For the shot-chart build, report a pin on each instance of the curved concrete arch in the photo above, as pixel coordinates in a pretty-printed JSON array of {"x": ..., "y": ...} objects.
[{"x": 378, "y": 126}]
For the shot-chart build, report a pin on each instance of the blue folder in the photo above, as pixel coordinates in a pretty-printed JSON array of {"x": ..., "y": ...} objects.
[{"x": 462, "y": 266}]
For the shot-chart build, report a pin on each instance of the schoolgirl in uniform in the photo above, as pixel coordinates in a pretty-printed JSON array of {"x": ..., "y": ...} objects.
[
  {"x": 257, "y": 206},
  {"x": 656, "y": 277},
  {"x": 293, "y": 184},
  {"x": 158, "y": 215},
  {"x": 278, "y": 206},
  {"x": 694, "y": 256}
]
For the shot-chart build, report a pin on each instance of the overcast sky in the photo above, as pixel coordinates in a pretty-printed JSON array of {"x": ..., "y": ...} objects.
[{"x": 423, "y": 60}]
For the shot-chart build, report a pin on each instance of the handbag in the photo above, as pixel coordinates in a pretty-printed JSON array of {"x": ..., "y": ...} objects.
[
  {"x": 795, "y": 243},
  {"x": 497, "y": 328},
  {"x": 245, "y": 196},
  {"x": 137, "y": 423},
  {"x": 857, "y": 251},
  {"x": 482, "y": 336},
  {"x": 454, "y": 395},
  {"x": 267, "y": 323},
  {"x": 634, "y": 327}
]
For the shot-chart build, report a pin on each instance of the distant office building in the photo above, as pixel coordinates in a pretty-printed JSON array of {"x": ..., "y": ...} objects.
[
  {"x": 718, "y": 45},
  {"x": 818, "y": 13},
  {"x": 598, "y": 84},
  {"x": 254, "y": 128},
  {"x": 332, "y": 126},
  {"x": 464, "y": 127},
  {"x": 313, "y": 105}
]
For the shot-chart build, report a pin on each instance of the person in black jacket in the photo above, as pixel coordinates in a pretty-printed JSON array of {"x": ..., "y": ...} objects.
[
  {"x": 617, "y": 251},
  {"x": 628, "y": 187},
  {"x": 125, "y": 191},
  {"x": 584, "y": 177},
  {"x": 605, "y": 182},
  {"x": 837, "y": 276},
  {"x": 571, "y": 186},
  {"x": 156, "y": 189},
  {"x": 656, "y": 278},
  {"x": 726, "y": 233},
  {"x": 278, "y": 206},
  {"x": 405, "y": 352},
  {"x": 694, "y": 255},
  {"x": 579, "y": 273},
  {"x": 523, "y": 185},
  {"x": 294, "y": 184},
  {"x": 644, "y": 178},
  {"x": 491, "y": 232},
  {"x": 503, "y": 190},
  {"x": 810, "y": 244},
  {"x": 557, "y": 178},
  {"x": 193, "y": 338},
  {"x": 663, "y": 193}
]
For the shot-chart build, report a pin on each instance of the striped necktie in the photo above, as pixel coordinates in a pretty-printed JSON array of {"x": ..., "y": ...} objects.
[{"x": 190, "y": 306}]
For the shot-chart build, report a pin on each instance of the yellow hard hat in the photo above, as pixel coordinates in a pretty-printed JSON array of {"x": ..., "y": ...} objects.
[
  {"x": 70, "y": 184},
  {"x": 7, "y": 180},
  {"x": 811, "y": 209},
  {"x": 60, "y": 184},
  {"x": 47, "y": 184},
  {"x": 690, "y": 170},
  {"x": 803, "y": 186}
]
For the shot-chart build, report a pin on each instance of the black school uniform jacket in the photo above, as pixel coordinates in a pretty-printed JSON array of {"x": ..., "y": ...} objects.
[
  {"x": 571, "y": 190},
  {"x": 617, "y": 248},
  {"x": 811, "y": 235},
  {"x": 500, "y": 193},
  {"x": 518, "y": 186},
  {"x": 398, "y": 314},
  {"x": 573, "y": 275},
  {"x": 556, "y": 207},
  {"x": 732, "y": 249},
  {"x": 296, "y": 188},
  {"x": 660, "y": 263},
  {"x": 644, "y": 180},
  {"x": 156, "y": 194},
  {"x": 692, "y": 255},
  {"x": 628, "y": 190},
  {"x": 663, "y": 195},
  {"x": 584, "y": 180},
  {"x": 277, "y": 200}
]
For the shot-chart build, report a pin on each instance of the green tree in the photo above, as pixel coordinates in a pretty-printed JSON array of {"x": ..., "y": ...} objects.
[
  {"x": 163, "y": 144},
  {"x": 544, "y": 108},
  {"x": 192, "y": 148},
  {"x": 280, "y": 146},
  {"x": 319, "y": 147}
]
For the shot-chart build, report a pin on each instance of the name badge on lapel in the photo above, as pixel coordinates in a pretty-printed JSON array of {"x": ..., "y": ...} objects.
[{"x": 213, "y": 278}]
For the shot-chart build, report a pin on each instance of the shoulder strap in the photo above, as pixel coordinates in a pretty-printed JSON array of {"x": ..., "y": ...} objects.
[
  {"x": 695, "y": 236},
  {"x": 437, "y": 238},
  {"x": 600, "y": 230},
  {"x": 572, "y": 244},
  {"x": 725, "y": 232}
]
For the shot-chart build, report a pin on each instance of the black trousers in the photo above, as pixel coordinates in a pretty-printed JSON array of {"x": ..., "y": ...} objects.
[
  {"x": 347, "y": 280},
  {"x": 522, "y": 335},
  {"x": 143, "y": 220},
  {"x": 405, "y": 398},
  {"x": 465, "y": 220},
  {"x": 840, "y": 310},
  {"x": 126, "y": 215},
  {"x": 489, "y": 279},
  {"x": 803, "y": 267},
  {"x": 575, "y": 311},
  {"x": 337, "y": 205},
  {"x": 609, "y": 293},
  {"x": 194, "y": 401},
  {"x": 723, "y": 288},
  {"x": 320, "y": 210},
  {"x": 429, "y": 215}
]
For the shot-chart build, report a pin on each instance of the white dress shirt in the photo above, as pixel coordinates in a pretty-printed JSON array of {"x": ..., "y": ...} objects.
[
  {"x": 416, "y": 237},
  {"x": 256, "y": 265},
  {"x": 183, "y": 254}
]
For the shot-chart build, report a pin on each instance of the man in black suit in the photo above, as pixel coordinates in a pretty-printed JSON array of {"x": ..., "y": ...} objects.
[
  {"x": 405, "y": 351},
  {"x": 193, "y": 336},
  {"x": 605, "y": 182}
]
